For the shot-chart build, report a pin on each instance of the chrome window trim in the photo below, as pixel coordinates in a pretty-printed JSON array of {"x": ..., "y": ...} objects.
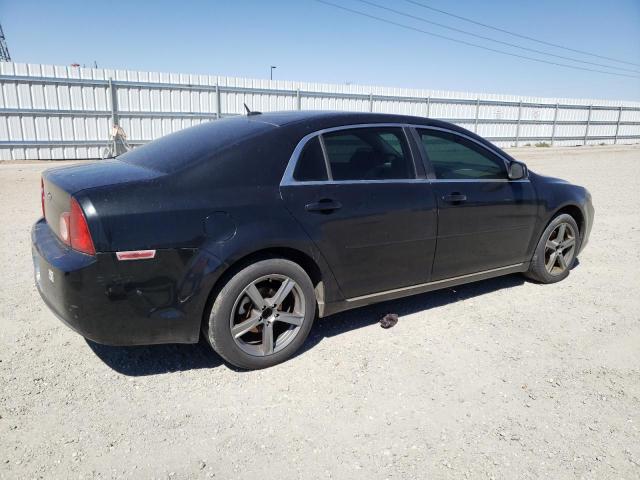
[
  {"x": 345, "y": 182},
  {"x": 287, "y": 177},
  {"x": 482, "y": 180},
  {"x": 325, "y": 157},
  {"x": 288, "y": 180}
]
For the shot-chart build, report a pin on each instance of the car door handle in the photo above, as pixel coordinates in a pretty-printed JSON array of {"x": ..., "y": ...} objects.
[
  {"x": 326, "y": 205},
  {"x": 454, "y": 197}
]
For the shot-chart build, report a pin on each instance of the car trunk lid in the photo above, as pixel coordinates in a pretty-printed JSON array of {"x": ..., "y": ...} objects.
[{"x": 60, "y": 184}]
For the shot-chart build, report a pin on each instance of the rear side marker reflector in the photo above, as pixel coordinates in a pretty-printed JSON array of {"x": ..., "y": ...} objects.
[
  {"x": 136, "y": 255},
  {"x": 64, "y": 226}
]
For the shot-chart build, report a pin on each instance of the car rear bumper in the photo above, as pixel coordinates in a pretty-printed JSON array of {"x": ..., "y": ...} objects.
[{"x": 120, "y": 303}]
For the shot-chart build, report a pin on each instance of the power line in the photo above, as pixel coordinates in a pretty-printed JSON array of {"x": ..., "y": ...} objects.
[
  {"x": 465, "y": 32},
  {"x": 464, "y": 42},
  {"x": 459, "y": 17}
]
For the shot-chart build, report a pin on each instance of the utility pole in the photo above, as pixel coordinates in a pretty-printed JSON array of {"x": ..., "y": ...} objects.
[
  {"x": 271, "y": 72},
  {"x": 4, "y": 50}
]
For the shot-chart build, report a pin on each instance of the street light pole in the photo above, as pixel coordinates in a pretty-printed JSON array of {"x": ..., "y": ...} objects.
[{"x": 271, "y": 72}]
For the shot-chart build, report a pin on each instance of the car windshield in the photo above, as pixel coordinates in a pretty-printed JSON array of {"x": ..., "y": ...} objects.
[{"x": 186, "y": 147}]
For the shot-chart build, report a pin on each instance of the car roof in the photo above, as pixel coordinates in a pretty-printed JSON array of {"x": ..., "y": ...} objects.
[
  {"x": 326, "y": 118},
  {"x": 315, "y": 120}
]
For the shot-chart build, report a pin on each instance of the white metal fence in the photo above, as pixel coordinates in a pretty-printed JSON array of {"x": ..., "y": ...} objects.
[{"x": 58, "y": 112}]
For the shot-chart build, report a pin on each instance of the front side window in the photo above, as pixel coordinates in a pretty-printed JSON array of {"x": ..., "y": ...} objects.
[
  {"x": 456, "y": 157},
  {"x": 370, "y": 153}
]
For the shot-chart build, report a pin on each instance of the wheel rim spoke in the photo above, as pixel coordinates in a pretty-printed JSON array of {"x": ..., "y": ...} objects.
[
  {"x": 284, "y": 290},
  {"x": 561, "y": 232},
  {"x": 562, "y": 261},
  {"x": 290, "y": 318},
  {"x": 255, "y": 296},
  {"x": 552, "y": 261},
  {"x": 552, "y": 244},
  {"x": 569, "y": 242},
  {"x": 241, "y": 328},
  {"x": 267, "y": 338}
]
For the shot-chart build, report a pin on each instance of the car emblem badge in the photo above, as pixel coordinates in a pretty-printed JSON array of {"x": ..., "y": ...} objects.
[
  {"x": 51, "y": 277},
  {"x": 49, "y": 197}
]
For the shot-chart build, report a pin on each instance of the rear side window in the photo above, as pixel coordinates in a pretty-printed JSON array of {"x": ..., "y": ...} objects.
[
  {"x": 196, "y": 144},
  {"x": 372, "y": 153},
  {"x": 311, "y": 166},
  {"x": 456, "y": 157}
]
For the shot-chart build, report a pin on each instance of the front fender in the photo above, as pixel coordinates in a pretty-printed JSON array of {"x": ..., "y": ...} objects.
[{"x": 556, "y": 195}]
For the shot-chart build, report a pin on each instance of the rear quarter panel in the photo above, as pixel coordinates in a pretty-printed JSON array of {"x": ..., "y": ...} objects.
[{"x": 219, "y": 211}]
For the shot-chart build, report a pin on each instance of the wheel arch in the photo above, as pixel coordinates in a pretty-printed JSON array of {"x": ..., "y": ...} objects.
[
  {"x": 570, "y": 209},
  {"x": 305, "y": 261}
]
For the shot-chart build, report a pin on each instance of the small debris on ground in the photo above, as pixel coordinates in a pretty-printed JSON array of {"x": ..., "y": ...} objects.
[{"x": 389, "y": 320}]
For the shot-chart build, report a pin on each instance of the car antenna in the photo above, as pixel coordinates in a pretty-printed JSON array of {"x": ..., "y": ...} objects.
[{"x": 249, "y": 112}]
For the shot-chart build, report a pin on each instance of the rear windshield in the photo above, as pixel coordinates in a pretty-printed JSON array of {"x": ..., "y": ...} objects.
[{"x": 187, "y": 147}]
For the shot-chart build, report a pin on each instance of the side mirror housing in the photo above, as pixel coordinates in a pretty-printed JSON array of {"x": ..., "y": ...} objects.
[{"x": 517, "y": 171}]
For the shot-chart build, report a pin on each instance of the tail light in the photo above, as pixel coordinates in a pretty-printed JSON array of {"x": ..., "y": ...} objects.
[
  {"x": 74, "y": 230},
  {"x": 79, "y": 230}
]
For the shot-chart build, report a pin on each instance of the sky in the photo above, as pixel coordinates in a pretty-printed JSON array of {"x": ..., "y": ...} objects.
[{"x": 310, "y": 41}]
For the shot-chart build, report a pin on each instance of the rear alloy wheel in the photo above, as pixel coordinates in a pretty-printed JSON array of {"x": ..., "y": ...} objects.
[
  {"x": 263, "y": 314},
  {"x": 267, "y": 315},
  {"x": 556, "y": 251}
]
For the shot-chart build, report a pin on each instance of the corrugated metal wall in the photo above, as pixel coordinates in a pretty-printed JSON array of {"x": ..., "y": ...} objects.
[{"x": 57, "y": 112}]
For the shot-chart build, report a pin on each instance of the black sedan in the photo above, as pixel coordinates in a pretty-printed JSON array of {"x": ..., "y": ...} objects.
[{"x": 246, "y": 229}]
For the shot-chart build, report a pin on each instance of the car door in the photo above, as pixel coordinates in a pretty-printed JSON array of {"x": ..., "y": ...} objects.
[
  {"x": 358, "y": 195},
  {"x": 485, "y": 220}
]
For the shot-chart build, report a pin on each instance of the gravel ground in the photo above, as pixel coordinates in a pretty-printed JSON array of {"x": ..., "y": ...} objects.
[{"x": 498, "y": 379}]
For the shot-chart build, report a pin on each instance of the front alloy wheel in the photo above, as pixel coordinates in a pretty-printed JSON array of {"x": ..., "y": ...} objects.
[
  {"x": 560, "y": 249},
  {"x": 556, "y": 251}
]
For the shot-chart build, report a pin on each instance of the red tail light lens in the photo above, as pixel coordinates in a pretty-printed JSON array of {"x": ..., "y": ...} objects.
[
  {"x": 74, "y": 231},
  {"x": 79, "y": 235}
]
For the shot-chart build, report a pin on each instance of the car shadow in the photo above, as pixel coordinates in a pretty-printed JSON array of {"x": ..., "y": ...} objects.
[
  {"x": 365, "y": 316},
  {"x": 158, "y": 359}
]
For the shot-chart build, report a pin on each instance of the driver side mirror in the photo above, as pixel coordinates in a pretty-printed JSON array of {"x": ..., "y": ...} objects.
[{"x": 517, "y": 171}]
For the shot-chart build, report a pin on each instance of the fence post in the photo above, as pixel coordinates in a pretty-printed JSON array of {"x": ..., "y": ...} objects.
[
  {"x": 371, "y": 102},
  {"x": 114, "y": 117},
  {"x": 586, "y": 130},
  {"x": 114, "y": 102},
  {"x": 555, "y": 120},
  {"x": 428, "y": 106},
  {"x": 218, "y": 106},
  {"x": 475, "y": 128},
  {"x": 615, "y": 139},
  {"x": 518, "y": 124},
  {"x": 298, "y": 100}
]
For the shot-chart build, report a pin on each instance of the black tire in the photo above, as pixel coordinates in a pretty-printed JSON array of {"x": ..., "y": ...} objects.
[
  {"x": 217, "y": 328},
  {"x": 538, "y": 270}
]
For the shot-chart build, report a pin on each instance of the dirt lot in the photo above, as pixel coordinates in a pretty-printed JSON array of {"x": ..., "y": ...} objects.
[{"x": 498, "y": 379}]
